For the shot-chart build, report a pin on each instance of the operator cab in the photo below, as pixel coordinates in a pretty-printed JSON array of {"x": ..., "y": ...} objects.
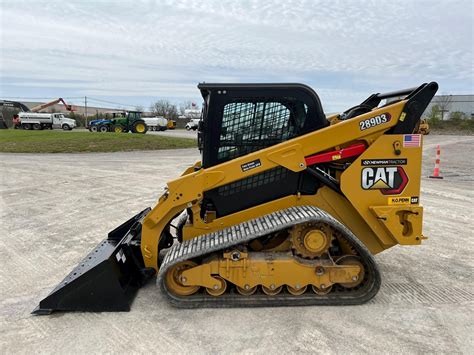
[
  {"x": 239, "y": 119},
  {"x": 134, "y": 115},
  {"x": 242, "y": 118}
]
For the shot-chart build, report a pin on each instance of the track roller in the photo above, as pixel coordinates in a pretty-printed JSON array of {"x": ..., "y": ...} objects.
[
  {"x": 246, "y": 291},
  {"x": 296, "y": 291},
  {"x": 271, "y": 291},
  {"x": 219, "y": 288},
  {"x": 321, "y": 291}
]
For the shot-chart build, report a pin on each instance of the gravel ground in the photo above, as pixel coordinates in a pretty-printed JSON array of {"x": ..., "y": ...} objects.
[
  {"x": 181, "y": 133},
  {"x": 55, "y": 208}
]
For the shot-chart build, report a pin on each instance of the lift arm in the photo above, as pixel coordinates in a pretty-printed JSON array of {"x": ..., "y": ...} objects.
[{"x": 51, "y": 103}]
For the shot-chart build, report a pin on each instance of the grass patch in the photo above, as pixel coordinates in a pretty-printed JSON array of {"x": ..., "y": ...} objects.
[{"x": 20, "y": 141}]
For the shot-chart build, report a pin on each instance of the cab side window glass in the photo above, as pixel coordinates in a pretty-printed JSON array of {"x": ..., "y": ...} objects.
[{"x": 250, "y": 126}]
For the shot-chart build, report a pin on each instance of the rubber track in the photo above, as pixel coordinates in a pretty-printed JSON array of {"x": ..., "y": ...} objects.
[{"x": 255, "y": 228}]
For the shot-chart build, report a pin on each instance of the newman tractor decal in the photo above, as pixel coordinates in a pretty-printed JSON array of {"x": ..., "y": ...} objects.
[{"x": 390, "y": 180}]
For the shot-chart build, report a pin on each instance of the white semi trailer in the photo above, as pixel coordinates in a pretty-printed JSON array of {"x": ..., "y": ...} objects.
[{"x": 38, "y": 121}]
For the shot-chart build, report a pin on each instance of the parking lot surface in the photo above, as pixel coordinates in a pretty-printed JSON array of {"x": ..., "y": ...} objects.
[
  {"x": 55, "y": 208},
  {"x": 180, "y": 133}
]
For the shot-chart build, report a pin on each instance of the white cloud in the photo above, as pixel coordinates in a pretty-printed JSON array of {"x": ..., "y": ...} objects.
[{"x": 344, "y": 49}]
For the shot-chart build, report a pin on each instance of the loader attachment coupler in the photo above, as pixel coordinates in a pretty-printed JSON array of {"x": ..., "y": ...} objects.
[{"x": 108, "y": 278}]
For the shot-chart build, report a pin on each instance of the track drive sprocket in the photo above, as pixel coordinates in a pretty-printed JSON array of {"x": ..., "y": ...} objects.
[{"x": 311, "y": 240}]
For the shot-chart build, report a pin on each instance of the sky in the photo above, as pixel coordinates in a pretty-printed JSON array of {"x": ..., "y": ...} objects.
[{"x": 136, "y": 52}]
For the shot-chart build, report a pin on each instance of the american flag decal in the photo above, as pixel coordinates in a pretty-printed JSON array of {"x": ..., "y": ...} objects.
[{"x": 411, "y": 140}]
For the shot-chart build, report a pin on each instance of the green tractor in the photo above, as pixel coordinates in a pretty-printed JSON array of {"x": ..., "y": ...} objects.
[{"x": 131, "y": 122}]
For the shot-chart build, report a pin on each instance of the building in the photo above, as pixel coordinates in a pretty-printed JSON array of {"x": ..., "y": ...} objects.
[{"x": 453, "y": 103}]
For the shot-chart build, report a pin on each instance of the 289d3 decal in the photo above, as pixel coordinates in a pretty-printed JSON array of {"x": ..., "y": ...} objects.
[{"x": 374, "y": 121}]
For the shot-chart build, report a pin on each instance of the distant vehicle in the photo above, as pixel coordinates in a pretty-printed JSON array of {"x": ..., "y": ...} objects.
[
  {"x": 171, "y": 124},
  {"x": 130, "y": 122},
  {"x": 39, "y": 121},
  {"x": 193, "y": 124},
  {"x": 158, "y": 123},
  {"x": 11, "y": 105},
  {"x": 104, "y": 124},
  {"x": 193, "y": 114},
  {"x": 424, "y": 127},
  {"x": 32, "y": 119},
  {"x": 100, "y": 125}
]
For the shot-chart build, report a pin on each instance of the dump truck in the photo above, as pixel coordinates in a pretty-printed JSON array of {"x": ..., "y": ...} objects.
[{"x": 284, "y": 208}]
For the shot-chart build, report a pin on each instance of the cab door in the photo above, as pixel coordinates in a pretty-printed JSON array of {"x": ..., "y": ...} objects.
[{"x": 57, "y": 122}]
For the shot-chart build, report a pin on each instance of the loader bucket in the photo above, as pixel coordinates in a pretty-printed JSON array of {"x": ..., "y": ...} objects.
[{"x": 108, "y": 278}]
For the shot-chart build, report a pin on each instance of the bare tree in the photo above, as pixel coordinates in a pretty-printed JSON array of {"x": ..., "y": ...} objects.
[
  {"x": 185, "y": 105},
  {"x": 164, "y": 108},
  {"x": 444, "y": 104},
  {"x": 139, "y": 108}
]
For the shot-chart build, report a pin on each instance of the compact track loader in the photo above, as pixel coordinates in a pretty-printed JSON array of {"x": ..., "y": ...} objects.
[{"x": 287, "y": 207}]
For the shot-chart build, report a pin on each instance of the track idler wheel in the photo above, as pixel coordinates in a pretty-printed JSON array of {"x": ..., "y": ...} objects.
[
  {"x": 352, "y": 260},
  {"x": 219, "y": 288},
  {"x": 174, "y": 279}
]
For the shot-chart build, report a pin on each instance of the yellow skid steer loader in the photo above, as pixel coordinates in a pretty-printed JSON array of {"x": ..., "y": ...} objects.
[{"x": 286, "y": 207}]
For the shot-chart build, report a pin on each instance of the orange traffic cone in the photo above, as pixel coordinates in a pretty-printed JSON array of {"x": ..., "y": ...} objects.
[{"x": 436, "y": 168}]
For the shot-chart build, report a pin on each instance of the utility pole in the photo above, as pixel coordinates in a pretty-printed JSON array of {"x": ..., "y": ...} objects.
[{"x": 85, "y": 106}]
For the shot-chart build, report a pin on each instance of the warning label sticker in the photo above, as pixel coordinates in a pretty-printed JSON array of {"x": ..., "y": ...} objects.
[{"x": 251, "y": 165}]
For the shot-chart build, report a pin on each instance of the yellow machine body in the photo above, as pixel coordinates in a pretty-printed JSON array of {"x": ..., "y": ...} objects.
[
  {"x": 380, "y": 221},
  {"x": 286, "y": 207}
]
